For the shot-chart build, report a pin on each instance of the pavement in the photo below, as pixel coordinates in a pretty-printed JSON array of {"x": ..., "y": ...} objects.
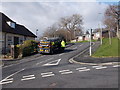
[{"x": 84, "y": 58}]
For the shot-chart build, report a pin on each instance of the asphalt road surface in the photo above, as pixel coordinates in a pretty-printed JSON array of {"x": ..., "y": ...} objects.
[{"x": 55, "y": 71}]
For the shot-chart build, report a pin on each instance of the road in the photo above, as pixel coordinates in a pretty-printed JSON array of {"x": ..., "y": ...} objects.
[{"x": 55, "y": 71}]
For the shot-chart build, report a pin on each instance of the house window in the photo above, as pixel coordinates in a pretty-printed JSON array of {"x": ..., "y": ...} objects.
[
  {"x": 11, "y": 24},
  {"x": 9, "y": 40},
  {"x": 21, "y": 40}
]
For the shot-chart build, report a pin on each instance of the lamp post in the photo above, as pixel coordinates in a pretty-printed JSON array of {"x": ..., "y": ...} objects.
[{"x": 100, "y": 31}]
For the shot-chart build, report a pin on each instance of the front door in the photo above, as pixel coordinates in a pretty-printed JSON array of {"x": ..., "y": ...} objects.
[{"x": 16, "y": 40}]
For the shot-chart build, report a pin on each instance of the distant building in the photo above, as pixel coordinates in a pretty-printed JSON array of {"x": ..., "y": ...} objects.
[{"x": 12, "y": 33}]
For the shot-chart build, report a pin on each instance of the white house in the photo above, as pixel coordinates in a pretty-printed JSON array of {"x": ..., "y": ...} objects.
[{"x": 12, "y": 33}]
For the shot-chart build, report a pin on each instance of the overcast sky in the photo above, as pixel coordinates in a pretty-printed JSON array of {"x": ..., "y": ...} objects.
[{"x": 40, "y": 15}]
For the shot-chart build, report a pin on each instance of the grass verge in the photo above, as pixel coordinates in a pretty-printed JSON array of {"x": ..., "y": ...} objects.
[{"x": 107, "y": 50}]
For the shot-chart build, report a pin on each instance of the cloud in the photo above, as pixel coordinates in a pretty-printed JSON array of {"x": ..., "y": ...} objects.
[{"x": 40, "y": 15}]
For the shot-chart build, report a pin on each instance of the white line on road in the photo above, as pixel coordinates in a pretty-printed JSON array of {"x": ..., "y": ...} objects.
[
  {"x": 75, "y": 48},
  {"x": 81, "y": 44},
  {"x": 81, "y": 68},
  {"x": 44, "y": 61},
  {"x": 96, "y": 66},
  {"x": 116, "y": 66},
  {"x": 6, "y": 81},
  {"x": 55, "y": 62},
  {"x": 61, "y": 54},
  {"x": 7, "y": 78},
  {"x": 29, "y": 78},
  {"x": 67, "y": 72},
  {"x": 48, "y": 75},
  {"x": 84, "y": 70},
  {"x": 14, "y": 74},
  {"x": 64, "y": 70},
  {"x": 101, "y": 68}
]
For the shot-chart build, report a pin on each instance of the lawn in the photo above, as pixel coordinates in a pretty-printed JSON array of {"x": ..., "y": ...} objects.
[{"x": 107, "y": 50}]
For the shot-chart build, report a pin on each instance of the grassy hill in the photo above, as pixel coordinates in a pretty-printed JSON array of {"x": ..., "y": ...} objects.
[{"x": 107, "y": 50}]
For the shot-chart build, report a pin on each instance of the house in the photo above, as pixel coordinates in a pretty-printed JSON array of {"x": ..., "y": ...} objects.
[{"x": 12, "y": 33}]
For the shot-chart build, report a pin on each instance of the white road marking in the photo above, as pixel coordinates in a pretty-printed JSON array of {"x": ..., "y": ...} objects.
[
  {"x": 101, "y": 68},
  {"x": 116, "y": 66},
  {"x": 81, "y": 44},
  {"x": 61, "y": 54},
  {"x": 75, "y": 48},
  {"x": 6, "y": 81},
  {"x": 55, "y": 62},
  {"x": 64, "y": 70},
  {"x": 96, "y": 66},
  {"x": 27, "y": 78},
  {"x": 67, "y": 72},
  {"x": 84, "y": 70},
  {"x": 44, "y": 61},
  {"x": 48, "y": 75},
  {"x": 13, "y": 74},
  {"x": 81, "y": 68}
]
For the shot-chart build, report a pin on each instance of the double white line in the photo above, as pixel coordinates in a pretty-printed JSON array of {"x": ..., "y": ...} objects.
[
  {"x": 47, "y": 74},
  {"x": 29, "y": 77},
  {"x": 82, "y": 69},
  {"x": 65, "y": 71}
]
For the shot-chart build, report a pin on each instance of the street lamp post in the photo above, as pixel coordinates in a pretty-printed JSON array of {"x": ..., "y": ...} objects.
[{"x": 100, "y": 31}]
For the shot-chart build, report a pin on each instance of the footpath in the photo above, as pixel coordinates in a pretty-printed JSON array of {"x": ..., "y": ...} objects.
[{"x": 84, "y": 58}]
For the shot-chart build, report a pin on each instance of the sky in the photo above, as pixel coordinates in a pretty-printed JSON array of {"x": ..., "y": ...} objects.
[{"x": 42, "y": 14}]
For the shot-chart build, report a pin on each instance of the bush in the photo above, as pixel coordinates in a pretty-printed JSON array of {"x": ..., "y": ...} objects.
[{"x": 29, "y": 47}]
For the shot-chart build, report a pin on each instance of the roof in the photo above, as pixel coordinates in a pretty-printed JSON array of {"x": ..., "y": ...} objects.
[{"x": 19, "y": 29}]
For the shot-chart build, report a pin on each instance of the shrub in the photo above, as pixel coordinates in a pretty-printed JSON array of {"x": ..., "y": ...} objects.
[{"x": 27, "y": 48}]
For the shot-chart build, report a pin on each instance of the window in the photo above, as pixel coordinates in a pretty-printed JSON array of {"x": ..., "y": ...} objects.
[
  {"x": 9, "y": 40},
  {"x": 11, "y": 24}
]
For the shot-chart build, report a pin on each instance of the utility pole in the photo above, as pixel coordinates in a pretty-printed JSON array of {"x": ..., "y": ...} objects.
[{"x": 90, "y": 50}]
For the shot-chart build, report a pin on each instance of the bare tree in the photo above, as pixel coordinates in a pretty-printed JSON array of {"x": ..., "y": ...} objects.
[
  {"x": 72, "y": 24},
  {"x": 67, "y": 27},
  {"x": 112, "y": 18}
]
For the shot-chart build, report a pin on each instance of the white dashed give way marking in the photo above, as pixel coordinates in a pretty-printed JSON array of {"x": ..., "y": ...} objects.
[
  {"x": 65, "y": 71},
  {"x": 47, "y": 74},
  {"x": 52, "y": 63},
  {"x": 6, "y": 81},
  {"x": 99, "y": 67},
  {"x": 82, "y": 69},
  {"x": 116, "y": 66},
  {"x": 28, "y": 77}
]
